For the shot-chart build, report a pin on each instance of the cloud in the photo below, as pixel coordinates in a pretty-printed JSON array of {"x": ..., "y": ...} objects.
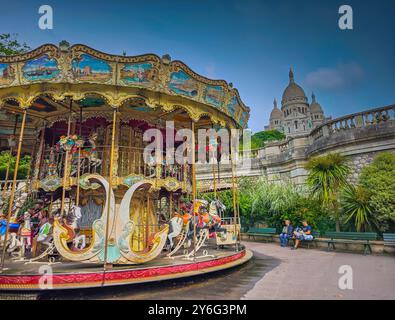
[{"x": 341, "y": 76}]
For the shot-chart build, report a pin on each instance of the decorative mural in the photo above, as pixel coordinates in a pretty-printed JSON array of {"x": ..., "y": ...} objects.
[
  {"x": 42, "y": 68},
  {"x": 243, "y": 118},
  {"x": 42, "y": 105},
  {"x": 181, "y": 83},
  {"x": 233, "y": 106},
  {"x": 88, "y": 68},
  {"x": 7, "y": 74},
  {"x": 137, "y": 73},
  {"x": 214, "y": 95},
  {"x": 92, "y": 102}
]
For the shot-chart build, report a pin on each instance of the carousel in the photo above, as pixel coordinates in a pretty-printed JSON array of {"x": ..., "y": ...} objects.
[{"x": 94, "y": 208}]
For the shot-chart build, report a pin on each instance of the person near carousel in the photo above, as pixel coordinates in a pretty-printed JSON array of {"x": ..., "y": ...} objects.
[
  {"x": 286, "y": 233},
  {"x": 305, "y": 233}
]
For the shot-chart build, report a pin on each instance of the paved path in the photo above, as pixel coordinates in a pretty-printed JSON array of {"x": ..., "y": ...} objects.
[{"x": 313, "y": 274}]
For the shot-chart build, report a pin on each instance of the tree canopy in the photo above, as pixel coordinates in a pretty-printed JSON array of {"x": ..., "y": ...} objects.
[
  {"x": 259, "y": 139},
  {"x": 379, "y": 178},
  {"x": 9, "y": 45}
]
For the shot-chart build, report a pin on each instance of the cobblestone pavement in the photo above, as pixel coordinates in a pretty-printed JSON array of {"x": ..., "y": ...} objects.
[{"x": 313, "y": 274}]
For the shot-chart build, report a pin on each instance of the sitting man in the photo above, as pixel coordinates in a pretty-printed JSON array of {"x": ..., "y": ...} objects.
[
  {"x": 287, "y": 233},
  {"x": 302, "y": 234}
]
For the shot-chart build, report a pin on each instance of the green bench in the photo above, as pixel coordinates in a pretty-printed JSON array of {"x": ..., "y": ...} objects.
[
  {"x": 389, "y": 239},
  {"x": 261, "y": 232},
  {"x": 351, "y": 237},
  {"x": 243, "y": 229}
]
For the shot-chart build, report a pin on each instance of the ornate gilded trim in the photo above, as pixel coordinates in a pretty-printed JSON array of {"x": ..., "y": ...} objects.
[{"x": 81, "y": 70}]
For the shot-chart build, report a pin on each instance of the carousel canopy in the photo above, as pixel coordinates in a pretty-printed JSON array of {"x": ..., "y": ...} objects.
[{"x": 141, "y": 87}]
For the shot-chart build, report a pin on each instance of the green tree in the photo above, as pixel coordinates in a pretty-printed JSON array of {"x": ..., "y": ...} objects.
[
  {"x": 327, "y": 176},
  {"x": 9, "y": 45},
  {"x": 23, "y": 169},
  {"x": 378, "y": 178},
  {"x": 259, "y": 139},
  {"x": 356, "y": 206}
]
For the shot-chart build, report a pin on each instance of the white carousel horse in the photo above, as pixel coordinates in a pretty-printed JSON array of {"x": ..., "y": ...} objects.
[
  {"x": 14, "y": 244},
  {"x": 176, "y": 225},
  {"x": 26, "y": 233},
  {"x": 217, "y": 207},
  {"x": 71, "y": 225}
]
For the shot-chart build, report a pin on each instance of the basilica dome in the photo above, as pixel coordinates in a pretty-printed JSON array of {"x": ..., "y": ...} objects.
[
  {"x": 293, "y": 92},
  {"x": 276, "y": 113},
  {"x": 315, "y": 107}
]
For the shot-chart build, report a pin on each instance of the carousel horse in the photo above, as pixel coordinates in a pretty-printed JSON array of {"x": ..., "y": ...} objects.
[
  {"x": 87, "y": 153},
  {"x": 18, "y": 205},
  {"x": 26, "y": 233},
  {"x": 217, "y": 209},
  {"x": 14, "y": 244},
  {"x": 199, "y": 221},
  {"x": 71, "y": 225},
  {"x": 175, "y": 226},
  {"x": 44, "y": 237}
]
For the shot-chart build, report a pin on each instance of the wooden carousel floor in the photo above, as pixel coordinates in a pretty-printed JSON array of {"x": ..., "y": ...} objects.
[{"x": 70, "y": 275}]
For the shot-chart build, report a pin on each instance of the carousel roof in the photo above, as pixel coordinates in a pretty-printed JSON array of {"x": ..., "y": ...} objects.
[{"x": 46, "y": 79}]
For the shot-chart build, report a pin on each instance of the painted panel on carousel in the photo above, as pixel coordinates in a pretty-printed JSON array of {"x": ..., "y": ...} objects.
[
  {"x": 183, "y": 84},
  {"x": 138, "y": 104},
  {"x": 7, "y": 74},
  {"x": 92, "y": 102},
  {"x": 42, "y": 68},
  {"x": 88, "y": 68},
  {"x": 214, "y": 95},
  {"x": 233, "y": 106},
  {"x": 142, "y": 73},
  {"x": 243, "y": 119}
]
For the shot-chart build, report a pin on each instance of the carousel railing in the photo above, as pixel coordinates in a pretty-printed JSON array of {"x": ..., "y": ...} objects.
[{"x": 128, "y": 161}]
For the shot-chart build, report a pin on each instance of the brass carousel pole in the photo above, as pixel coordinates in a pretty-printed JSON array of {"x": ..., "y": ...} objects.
[
  {"x": 12, "y": 197},
  {"x": 66, "y": 163},
  {"x": 194, "y": 191},
  {"x": 9, "y": 160},
  {"x": 77, "y": 196},
  {"x": 114, "y": 125},
  {"x": 214, "y": 178}
]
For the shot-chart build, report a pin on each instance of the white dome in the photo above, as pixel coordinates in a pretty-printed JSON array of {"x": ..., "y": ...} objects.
[
  {"x": 293, "y": 91},
  {"x": 315, "y": 107},
  {"x": 276, "y": 114}
]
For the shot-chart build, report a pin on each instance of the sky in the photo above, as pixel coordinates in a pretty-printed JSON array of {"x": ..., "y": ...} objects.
[{"x": 250, "y": 43}]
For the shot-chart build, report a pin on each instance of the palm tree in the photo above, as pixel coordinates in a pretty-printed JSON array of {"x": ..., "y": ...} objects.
[
  {"x": 356, "y": 205},
  {"x": 327, "y": 176}
]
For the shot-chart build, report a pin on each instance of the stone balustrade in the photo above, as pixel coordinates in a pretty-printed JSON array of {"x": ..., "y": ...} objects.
[{"x": 356, "y": 120}]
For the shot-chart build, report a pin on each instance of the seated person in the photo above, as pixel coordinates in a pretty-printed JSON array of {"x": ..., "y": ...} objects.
[
  {"x": 286, "y": 233},
  {"x": 303, "y": 234}
]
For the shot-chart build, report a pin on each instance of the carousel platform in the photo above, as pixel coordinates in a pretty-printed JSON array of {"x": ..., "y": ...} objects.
[{"x": 19, "y": 276}]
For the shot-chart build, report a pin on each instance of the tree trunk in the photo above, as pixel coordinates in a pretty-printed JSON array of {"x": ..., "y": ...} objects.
[{"x": 337, "y": 225}]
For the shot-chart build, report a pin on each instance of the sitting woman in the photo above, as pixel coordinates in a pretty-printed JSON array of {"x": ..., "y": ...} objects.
[
  {"x": 287, "y": 233},
  {"x": 303, "y": 234}
]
